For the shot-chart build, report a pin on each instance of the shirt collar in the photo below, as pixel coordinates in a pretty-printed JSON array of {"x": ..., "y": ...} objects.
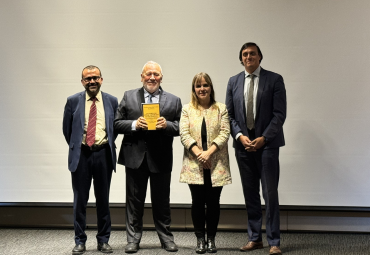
[
  {"x": 256, "y": 72},
  {"x": 155, "y": 94},
  {"x": 98, "y": 97}
]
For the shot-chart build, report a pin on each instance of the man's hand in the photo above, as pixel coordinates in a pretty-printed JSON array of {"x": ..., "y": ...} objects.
[
  {"x": 258, "y": 143},
  {"x": 246, "y": 143},
  {"x": 161, "y": 123},
  {"x": 141, "y": 123}
]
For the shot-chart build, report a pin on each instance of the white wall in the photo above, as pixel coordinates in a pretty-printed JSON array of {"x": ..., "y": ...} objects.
[{"x": 321, "y": 48}]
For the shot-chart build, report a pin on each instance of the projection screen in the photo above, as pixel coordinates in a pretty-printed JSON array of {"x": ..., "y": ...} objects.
[{"x": 320, "y": 47}]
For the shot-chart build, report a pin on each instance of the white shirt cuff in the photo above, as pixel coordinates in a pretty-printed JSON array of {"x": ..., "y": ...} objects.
[
  {"x": 237, "y": 136},
  {"x": 133, "y": 125}
]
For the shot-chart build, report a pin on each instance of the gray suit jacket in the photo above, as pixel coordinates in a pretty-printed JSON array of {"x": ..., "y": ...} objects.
[{"x": 156, "y": 144}]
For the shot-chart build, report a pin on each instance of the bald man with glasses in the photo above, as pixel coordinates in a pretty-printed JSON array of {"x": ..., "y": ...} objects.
[{"x": 88, "y": 130}]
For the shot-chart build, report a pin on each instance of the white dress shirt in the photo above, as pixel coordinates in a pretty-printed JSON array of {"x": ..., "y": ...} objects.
[
  {"x": 247, "y": 83},
  {"x": 155, "y": 99}
]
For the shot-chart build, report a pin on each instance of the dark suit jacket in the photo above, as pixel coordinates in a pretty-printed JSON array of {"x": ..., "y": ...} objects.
[
  {"x": 156, "y": 144},
  {"x": 73, "y": 126},
  {"x": 270, "y": 108}
]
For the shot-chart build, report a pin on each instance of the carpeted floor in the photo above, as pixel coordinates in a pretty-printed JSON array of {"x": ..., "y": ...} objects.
[{"x": 60, "y": 241}]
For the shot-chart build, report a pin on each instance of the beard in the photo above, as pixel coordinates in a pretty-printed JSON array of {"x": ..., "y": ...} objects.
[
  {"x": 92, "y": 91},
  {"x": 151, "y": 87}
]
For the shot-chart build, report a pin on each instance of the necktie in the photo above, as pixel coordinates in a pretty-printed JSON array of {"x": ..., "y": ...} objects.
[
  {"x": 150, "y": 99},
  {"x": 250, "y": 116},
  {"x": 91, "y": 126}
]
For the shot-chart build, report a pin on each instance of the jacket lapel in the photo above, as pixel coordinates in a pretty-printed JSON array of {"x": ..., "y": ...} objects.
[
  {"x": 140, "y": 99},
  {"x": 81, "y": 106},
  {"x": 240, "y": 94},
  {"x": 261, "y": 87},
  {"x": 106, "y": 104},
  {"x": 162, "y": 100}
]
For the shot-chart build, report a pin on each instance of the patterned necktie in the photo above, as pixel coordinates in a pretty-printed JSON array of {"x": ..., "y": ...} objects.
[
  {"x": 250, "y": 116},
  {"x": 91, "y": 126},
  {"x": 150, "y": 99}
]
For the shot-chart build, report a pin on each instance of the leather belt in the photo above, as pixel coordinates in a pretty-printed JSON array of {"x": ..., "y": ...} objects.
[{"x": 95, "y": 147}]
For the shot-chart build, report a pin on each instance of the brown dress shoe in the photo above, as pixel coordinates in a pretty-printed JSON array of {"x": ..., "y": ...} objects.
[
  {"x": 275, "y": 250},
  {"x": 250, "y": 246}
]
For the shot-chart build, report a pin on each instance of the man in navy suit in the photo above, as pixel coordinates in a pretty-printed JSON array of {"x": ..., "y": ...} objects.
[
  {"x": 88, "y": 130},
  {"x": 147, "y": 155},
  {"x": 256, "y": 102}
]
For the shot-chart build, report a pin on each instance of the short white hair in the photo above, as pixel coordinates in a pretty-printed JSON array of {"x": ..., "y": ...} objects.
[{"x": 151, "y": 63}]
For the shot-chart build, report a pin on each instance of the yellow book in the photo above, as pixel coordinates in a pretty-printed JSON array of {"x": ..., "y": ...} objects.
[{"x": 151, "y": 114}]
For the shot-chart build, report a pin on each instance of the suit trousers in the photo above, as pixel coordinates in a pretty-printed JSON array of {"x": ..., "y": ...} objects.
[
  {"x": 96, "y": 165},
  {"x": 205, "y": 195},
  {"x": 262, "y": 167},
  {"x": 136, "y": 187}
]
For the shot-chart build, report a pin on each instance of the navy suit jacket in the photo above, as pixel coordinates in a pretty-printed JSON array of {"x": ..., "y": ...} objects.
[
  {"x": 74, "y": 121},
  {"x": 156, "y": 144},
  {"x": 270, "y": 108}
]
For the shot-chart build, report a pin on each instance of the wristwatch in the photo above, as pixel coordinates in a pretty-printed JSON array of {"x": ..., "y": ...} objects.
[{"x": 264, "y": 139}]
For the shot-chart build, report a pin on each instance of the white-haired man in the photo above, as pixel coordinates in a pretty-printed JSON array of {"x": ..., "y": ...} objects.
[{"x": 147, "y": 154}]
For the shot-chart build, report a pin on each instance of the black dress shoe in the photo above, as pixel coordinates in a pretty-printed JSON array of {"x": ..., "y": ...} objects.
[
  {"x": 104, "y": 248},
  {"x": 132, "y": 248},
  {"x": 211, "y": 246},
  {"x": 201, "y": 246},
  {"x": 170, "y": 246},
  {"x": 79, "y": 249}
]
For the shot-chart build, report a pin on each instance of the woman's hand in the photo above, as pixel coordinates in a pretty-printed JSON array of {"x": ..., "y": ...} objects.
[
  {"x": 207, "y": 164},
  {"x": 196, "y": 151},
  {"x": 203, "y": 156}
]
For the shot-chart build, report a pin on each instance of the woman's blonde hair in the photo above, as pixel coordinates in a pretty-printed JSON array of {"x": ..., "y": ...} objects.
[{"x": 197, "y": 80}]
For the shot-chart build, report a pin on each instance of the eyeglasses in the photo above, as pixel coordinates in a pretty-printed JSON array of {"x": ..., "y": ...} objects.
[{"x": 88, "y": 79}]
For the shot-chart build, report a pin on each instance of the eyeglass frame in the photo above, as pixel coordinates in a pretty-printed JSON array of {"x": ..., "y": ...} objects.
[{"x": 94, "y": 78}]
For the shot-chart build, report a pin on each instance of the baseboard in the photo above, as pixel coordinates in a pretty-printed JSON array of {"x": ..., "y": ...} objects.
[{"x": 233, "y": 217}]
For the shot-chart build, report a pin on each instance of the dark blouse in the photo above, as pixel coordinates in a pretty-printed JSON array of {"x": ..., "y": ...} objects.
[{"x": 204, "y": 137}]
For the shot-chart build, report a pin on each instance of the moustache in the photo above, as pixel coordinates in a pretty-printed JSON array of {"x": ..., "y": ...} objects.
[{"x": 91, "y": 84}]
